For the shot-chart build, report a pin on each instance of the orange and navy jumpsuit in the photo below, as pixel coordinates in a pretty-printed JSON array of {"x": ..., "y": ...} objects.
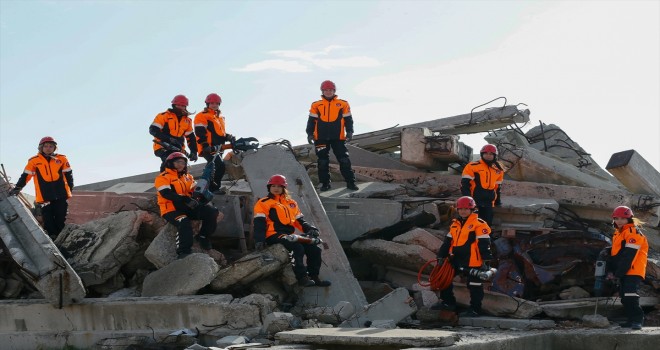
[
  {"x": 174, "y": 191},
  {"x": 53, "y": 184},
  {"x": 468, "y": 246},
  {"x": 329, "y": 122},
  {"x": 275, "y": 217},
  {"x": 482, "y": 182},
  {"x": 210, "y": 131},
  {"x": 172, "y": 128},
  {"x": 628, "y": 259}
]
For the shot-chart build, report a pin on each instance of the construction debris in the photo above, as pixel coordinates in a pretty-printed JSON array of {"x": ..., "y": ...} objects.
[{"x": 121, "y": 263}]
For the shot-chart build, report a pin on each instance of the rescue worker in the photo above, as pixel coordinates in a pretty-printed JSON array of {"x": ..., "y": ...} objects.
[
  {"x": 468, "y": 247},
  {"x": 52, "y": 185},
  {"x": 277, "y": 216},
  {"x": 330, "y": 126},
  {"x": 169, "y": 130},
  {"x": 211, "y": 137},
  {"x": 175, "y": 187},
  {"x": 627, "y": 262},
  {"x": 482, "y": 180}
]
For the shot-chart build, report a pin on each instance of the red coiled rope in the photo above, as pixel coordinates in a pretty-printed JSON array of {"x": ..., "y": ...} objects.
[{"x": 440, "y": 277}]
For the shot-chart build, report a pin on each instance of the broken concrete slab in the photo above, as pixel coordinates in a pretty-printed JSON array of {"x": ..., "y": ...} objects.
[
  {"x": 388, "y": 140},
  {"x": 505, "y": 323},
  {"x": 40, "y": 261},
  {"x": 396, "y": 306},
  {"x": 86, "y": 206},
  {"x": 181, "y": 277},
  {"x": 373, "y": 337},
  {"x": 100, "y": 247},
  {"x": 420, "y": 237},
  {"x": 525, "y": 212},
  {"x": 578, "y": 308},
  {"x": 331, "y": 315},
  {"x": 498, "y": 304},
  {"x": 275, "y": 159},
  {"x": 359, "y": 157},
  {"x": 390, "y": 253},
  {"x": 634, "y": 172},
  {"x": 251, "y": 267},
  {"x": 352, "y": 217}
]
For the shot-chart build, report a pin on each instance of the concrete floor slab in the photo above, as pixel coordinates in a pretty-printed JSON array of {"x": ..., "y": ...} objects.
[
  {"x": 505, "y": 323},
  {"x": 368, "y": 337}
]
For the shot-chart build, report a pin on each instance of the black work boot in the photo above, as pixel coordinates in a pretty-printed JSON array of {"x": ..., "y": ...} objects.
[
  {"x": 203, "y": 242},
  {"x": 443, "y": 306},
  {"x": 469, "y": 313},
  {"x": 306, "y": 282},
  {"x": 325, "y": 187},
  {"x": 352, "y": 186},
  {"x": 319, "y": 282}
]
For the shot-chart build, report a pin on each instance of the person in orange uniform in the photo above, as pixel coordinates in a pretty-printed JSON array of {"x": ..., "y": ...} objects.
[
  {"x": 468, "y": 246},
  {"x": 171, "y": 127},
  {"x": 627, "y": 262},
  {"x": 330, "y": 126},
  {"x": 482, "y": 180},
  {"x": 175, "y": 187},
  {"x": 277, "y": 216},
  {"x": 211, "y": 136},
  {"x": 53, "y": 184}
]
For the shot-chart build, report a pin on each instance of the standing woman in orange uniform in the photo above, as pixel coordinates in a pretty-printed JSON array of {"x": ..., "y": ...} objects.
[
  {"x": 211, "y": 136},
  {"x": 482, "y": 180},
  {"x": 627, "y": 262},
  {"x": 53, "y": 184}
]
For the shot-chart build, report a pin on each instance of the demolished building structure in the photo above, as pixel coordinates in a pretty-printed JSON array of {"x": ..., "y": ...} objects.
[{"x": 121, "y": 279}]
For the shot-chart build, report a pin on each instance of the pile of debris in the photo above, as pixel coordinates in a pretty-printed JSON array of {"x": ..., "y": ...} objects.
[{"x": 554, "y": 219}]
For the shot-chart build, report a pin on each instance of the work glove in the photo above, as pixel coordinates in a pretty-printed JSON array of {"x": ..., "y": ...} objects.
[
  {"x": 15, "y": 191},
  {"x": 259, "y": 246},
  {"x": 313, "y": 232},
  {"x": 175, "y": 142},
  {"x": 193, "y": 157},
  {"x": 310, "y": 139},
  {"x": 208, "y": 150},
  {"x": 349, "y": 136},
  {"x": 190, "y": 202}
]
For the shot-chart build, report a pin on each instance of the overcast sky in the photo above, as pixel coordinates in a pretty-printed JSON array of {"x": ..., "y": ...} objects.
[{"x": 93, "y": 74}]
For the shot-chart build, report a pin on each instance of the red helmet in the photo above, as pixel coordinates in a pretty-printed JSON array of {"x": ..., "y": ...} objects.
[
  {"x": 278, "y": 179},
  {"x": 622, "y": 212},
  {"x": 213, "y": 98},
  {"x": 465, "y": 202},
  {"x": 47, "y": 139},
  {"x": 327, "y": 85},
  {"x": 180, "y": 100},
  {"x": 176, "y": 155},
  {"x": 489, "y": 149}
]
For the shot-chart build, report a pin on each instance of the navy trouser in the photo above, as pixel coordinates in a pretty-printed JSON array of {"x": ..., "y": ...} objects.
[
  {"x": 341, "y": 152},
  {"x": 299, "y": 250}
]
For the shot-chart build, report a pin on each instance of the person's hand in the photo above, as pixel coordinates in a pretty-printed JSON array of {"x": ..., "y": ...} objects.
[
  {"x": 259, "y": 246},
  {"x": 208, "y": 150},
  {"x": 313, "y": 232},
  {"x": 175, "y": 142},
  {"x": 190, "y": 202},
  {"x": 349, "y": 136},
  {"x": 193, "y": 157},
  {"x": 15, "y": 191},
  {"x": 310, "y": 139}
]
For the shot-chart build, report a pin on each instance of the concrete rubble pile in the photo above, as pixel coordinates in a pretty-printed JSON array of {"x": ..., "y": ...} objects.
[{"x": 129, "y": 288}]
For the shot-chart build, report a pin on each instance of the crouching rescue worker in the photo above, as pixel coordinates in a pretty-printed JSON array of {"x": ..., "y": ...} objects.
[
  {"x": 627, "y": 262},
  {"x": 175, "y": 187},
  {"x": 169, "y": 130},
  {"x": 276, "y": 217},
  {"x": 482, "y": 180},
  {"x": 468, "y": 247},
  {"x": 52, "y": 185}
]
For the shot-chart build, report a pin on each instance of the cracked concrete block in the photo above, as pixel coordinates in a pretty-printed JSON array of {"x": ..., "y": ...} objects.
[
  {"x": 420, "y": 237},
  {"x": 252, "y": 267},
  {"x": 279, "y": 321},
  {"x": 181, "y": 277},
  {"x": 389, "y": 253},
  {"x": 396, "y": 306}
]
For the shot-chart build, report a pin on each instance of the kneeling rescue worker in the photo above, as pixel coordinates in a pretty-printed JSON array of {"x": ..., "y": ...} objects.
[
  {"x": 175, "y": 187},
  {"x": 277, "y": 216},
  {"x": 468, "y": 247}
]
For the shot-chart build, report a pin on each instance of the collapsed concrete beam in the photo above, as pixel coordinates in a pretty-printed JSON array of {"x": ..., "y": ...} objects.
[
  {"x": 259, "y": 166},
  {"x": 588, "y": 203},
  {"x": 635, "y": 172},
  {"x": 388, "y": 140},
  {"x": 369, "y": 337},
  {"x": 359, "y": 157},
  {"x": 424, "y": 149},
  {"x": 40, "y": 261}
]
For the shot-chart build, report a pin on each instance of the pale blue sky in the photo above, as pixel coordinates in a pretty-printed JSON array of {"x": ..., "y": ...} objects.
[{"x": 93, "y": 74}]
